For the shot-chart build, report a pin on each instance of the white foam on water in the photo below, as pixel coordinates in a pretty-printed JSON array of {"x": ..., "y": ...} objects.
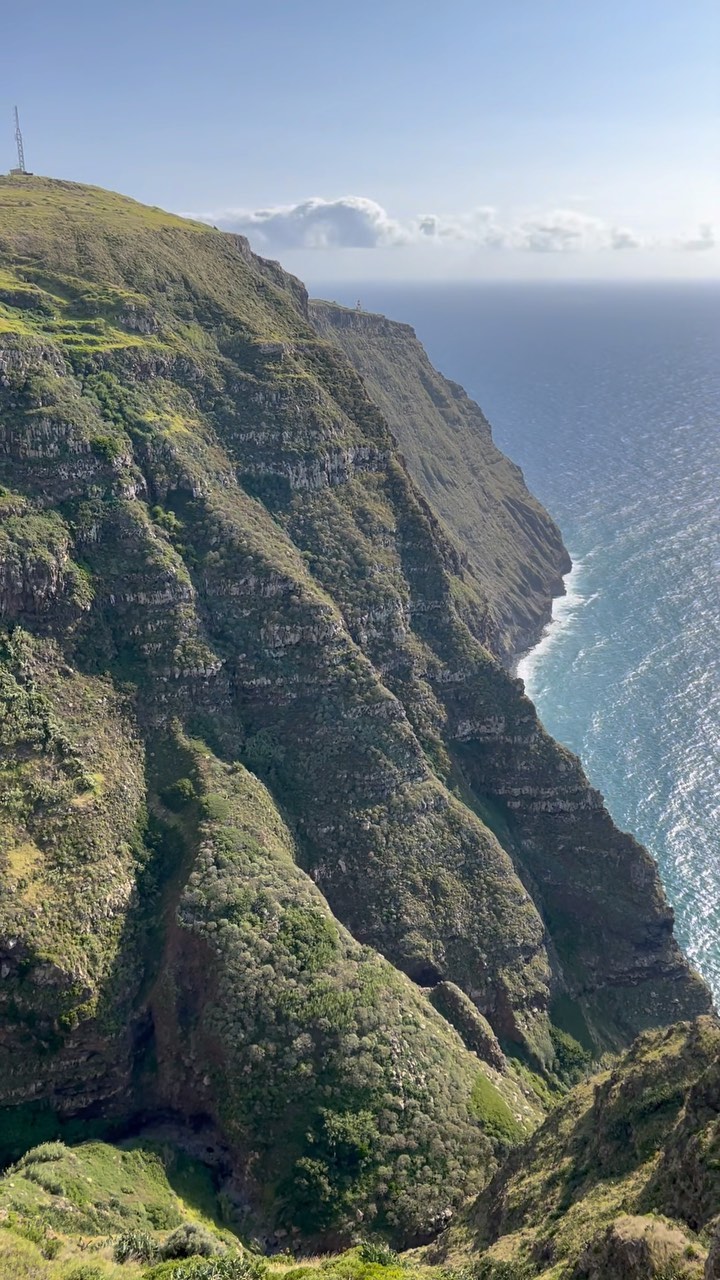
[{"x": 564, "y": 610}]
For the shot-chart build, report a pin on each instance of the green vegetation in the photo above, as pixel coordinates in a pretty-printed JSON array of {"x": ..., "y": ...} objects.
[
  {"x": 272, "y": 818},
  {"x": 100, "y": 1211},
  {"x": 95, "y": 1190},
  {"x": 335, "y": 1041},
  {"x": 205, "y": 1269},
  {"x": 620, "y": 1175},
  {"x": 491, "y": 1108},
  {"x": 571, "y": 1059}
]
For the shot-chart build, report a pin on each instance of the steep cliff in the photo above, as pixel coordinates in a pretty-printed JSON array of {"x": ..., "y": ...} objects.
[
  {"x": 510, "y": 548},
  {"x": 261, "y": 783},
  {"x": 621, "y": 1180}
]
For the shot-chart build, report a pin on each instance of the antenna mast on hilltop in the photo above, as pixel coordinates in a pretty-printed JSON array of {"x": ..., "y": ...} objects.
[{"x": 19, "y": 144}]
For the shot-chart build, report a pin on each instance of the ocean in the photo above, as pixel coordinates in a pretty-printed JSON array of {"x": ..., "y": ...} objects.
[{"x": 608, "y": 396}]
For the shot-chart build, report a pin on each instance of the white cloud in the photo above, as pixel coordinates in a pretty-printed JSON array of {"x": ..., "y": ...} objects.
[
  {"x": 706, "y": 238},
  {"x": 623, "y": 238},
  {"x": 352, "y": 222},
  {"x": 355, "y": 222},
  {"x": 561, "y": 231}
]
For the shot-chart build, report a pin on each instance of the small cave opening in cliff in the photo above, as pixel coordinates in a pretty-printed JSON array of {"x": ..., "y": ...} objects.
[{"x": 424, "y": 973}]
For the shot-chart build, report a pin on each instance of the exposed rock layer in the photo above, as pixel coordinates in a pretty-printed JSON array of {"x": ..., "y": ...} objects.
[{"x": 509, "y": 545}]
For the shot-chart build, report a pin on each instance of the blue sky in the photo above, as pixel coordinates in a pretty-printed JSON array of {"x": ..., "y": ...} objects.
[{"x": 392, "y": 138}]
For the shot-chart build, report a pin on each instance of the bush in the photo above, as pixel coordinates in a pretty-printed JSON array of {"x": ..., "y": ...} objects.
[
  {"x": 42, "y": 1154},
  {"x": 492, "y": 1269},
  {"x": 167, "y": 520},
  {"x": 228, "y": 1267},
  {"x": 108, "y": 447},
  {"x": 190, "y": 1240},
  {"x": 44, "y": 1180},
  {"x": 571, "y": 1059},
  {"x": 179, "y": 795},
  {"x": 135, "y": 1246},
  {"x": 378, "y": 1251},
  {"x": 215, "y": 808},
  {"x": 493, "y": 1112},
  {"x": 162, "y": 1217},
  {"x": 86, "y": 1271}
]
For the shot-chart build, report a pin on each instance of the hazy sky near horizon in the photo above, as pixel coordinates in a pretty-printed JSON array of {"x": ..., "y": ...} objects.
[{"x": 391, "y": 138}]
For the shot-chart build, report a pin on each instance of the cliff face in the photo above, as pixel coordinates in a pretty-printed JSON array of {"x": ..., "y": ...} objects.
[
  {"x": 510, "y": 548},
  {"x": 621, "y": 1180},
  {"x": 261, "y": 781}
]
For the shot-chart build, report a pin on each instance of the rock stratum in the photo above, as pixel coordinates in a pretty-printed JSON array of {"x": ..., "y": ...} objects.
[
  {"x": 288, "y": 862},
  {"x": 509, "y": 547}
]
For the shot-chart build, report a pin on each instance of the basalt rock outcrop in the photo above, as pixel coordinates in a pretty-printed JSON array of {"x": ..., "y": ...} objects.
[{"x": 262, "y": 780}]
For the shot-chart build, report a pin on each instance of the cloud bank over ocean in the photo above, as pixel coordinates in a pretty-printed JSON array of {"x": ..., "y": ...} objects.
[{"x": 357, "y": 222}]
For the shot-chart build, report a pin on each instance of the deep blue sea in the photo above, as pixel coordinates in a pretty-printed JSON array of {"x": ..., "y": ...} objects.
[{"x": 608, "y": 396}]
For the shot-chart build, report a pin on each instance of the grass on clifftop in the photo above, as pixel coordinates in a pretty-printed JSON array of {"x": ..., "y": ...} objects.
[
  {"x": 33, "y": 203},
  {"x": 55, "y": 235}
]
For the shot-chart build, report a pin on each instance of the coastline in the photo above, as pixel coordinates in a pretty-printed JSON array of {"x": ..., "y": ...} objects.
[{"x": 563, "y": 610}]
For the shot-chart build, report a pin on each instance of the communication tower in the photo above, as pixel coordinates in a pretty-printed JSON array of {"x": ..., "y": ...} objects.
[{"x": 20, "y": 170}]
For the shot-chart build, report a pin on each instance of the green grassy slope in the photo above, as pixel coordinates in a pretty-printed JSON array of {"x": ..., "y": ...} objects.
[
  {"x": 141, "y": 1210},
  {"x": 94, "y": 1211},
  {"x": 621, "y": 1179}
]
